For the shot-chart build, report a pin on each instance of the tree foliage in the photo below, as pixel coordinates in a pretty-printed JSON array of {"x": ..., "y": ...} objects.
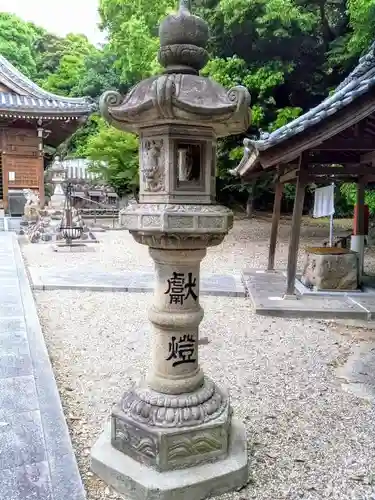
[
  {"x": 17, "y": 40},
  {"x": 114, "y": 156},
  {"x": 289, "y": 53},
  {"x": 71, "y": 53}
]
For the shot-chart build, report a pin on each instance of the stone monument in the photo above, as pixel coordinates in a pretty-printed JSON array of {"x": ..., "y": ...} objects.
[
  {"x": 58, "y": 176},
  {"x": 173, "y": 435}
]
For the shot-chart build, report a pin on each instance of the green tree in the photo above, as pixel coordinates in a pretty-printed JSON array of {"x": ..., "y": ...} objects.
[
  {"x": 71, "y": 53},
  {"x": 17, "y": 40},
  {"x": 362, "y": 22},
  {"x": 100, "y": 74},
  {"x": 132, "y": 32},
  {"x": 114, "y": 156},
  {"x": 289, "y": 53},
  {"x": 349, "y": 193},
  {"x": 68, "y": 74},
  {"x": 47, "y": 50}
]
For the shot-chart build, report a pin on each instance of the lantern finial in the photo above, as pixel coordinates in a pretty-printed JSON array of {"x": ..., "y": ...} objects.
[
  {"x": 185, "y": 5},
  {"x": 183, "y": 41}
]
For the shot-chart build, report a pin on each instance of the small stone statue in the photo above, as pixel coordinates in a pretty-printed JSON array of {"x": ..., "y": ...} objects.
[{"x": 32, "y": 205}]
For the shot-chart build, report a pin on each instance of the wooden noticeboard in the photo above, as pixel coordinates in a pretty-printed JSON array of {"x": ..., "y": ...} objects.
[
  {"x": 22, "y": 165},
  {"x": 21, "y": 173},
  {"x": 26, "y": 172}
]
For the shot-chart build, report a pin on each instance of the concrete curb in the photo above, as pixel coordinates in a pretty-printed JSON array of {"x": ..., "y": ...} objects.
[{"x": 92, "y": 282}]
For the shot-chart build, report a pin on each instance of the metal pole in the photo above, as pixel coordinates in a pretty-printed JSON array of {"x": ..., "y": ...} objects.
[{"x": 331, "y": 231}]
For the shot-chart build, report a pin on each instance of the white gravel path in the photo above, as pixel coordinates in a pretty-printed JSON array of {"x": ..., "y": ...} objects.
[{"x": 308, "y": 438}]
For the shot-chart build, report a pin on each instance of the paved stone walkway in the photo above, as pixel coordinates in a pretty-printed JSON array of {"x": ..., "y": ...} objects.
[
  {"x": 266, "y": 291},
  {"x": 10, "y": 223},
  {"x": 36, "y": 456},
  {"x": 125, "y": 281}
]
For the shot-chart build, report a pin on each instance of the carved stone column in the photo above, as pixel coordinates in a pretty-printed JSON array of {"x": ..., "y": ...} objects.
[{"x": 176, "y": 315}]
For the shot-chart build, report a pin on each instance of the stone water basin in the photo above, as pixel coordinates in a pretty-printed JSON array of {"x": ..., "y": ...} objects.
[{"x": 330, "y": 268}]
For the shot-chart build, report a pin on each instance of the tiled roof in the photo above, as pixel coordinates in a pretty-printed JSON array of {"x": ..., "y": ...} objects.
[
  {"x": 360, "y": 80},
  {"x": 20, "y": 103},
  {"x": 23, "y": 95}
]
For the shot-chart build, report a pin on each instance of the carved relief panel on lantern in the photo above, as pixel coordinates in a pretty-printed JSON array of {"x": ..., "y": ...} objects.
[{"x": 178, "y": 165}]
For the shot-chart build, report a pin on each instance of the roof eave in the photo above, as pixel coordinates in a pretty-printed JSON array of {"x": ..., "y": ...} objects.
[
  {"x": 43, "y": 113},
  {"x": 249, "y": 161}
]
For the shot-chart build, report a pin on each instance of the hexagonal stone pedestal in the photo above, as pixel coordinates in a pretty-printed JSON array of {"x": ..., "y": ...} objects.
[
  {"x": 141, "y": 482},
  {"x": 172, "y": 431}
]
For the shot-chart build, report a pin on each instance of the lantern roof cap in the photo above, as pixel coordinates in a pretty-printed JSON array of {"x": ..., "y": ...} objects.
[{"x": 180, "y": 95}]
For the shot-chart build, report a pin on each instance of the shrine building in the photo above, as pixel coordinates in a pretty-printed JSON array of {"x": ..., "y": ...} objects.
[
  {"x": 30, "y": 119},
  {"x": 331, "y": 143}
]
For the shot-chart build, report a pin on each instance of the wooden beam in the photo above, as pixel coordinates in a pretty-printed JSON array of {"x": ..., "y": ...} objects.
[
  {"x": 296, "y": 231},
  {"x": 334, "y": 157},
  {"x": 275, "y": 225},
  {"x": 356, "y": 145},
  {"x": 358, "y": 238},
  {"x": 289, "y": 176},
  {"x": 324, "y": 179},
  {"x": 253, "y": 175},
  {"x": 358, "y": 170},
  {"x": 368, "y": 157}
]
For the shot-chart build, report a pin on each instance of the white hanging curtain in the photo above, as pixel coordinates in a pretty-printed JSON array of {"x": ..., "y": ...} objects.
[{"x": 324, "y": 202}]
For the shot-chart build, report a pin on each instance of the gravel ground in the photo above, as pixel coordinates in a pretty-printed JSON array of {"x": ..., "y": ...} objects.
[
  {"x": 308, "y": 438},
  {"x": 246, "y": 246}
]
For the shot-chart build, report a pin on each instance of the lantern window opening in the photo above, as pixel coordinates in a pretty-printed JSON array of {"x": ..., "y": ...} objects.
[{"x": 190, "y": 165}]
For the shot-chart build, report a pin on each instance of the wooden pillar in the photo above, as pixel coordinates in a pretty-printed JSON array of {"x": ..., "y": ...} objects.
[
  {"x": 41, "y": 182},
  {"x": 296, "y": 231},
  {"x": 275, "y": 225},
  {"x": 360, "y": 221},
  {"x": 5, "y": 180},
  {"x": 40, "y": 133},
  {"x": 358, "y": 238}
]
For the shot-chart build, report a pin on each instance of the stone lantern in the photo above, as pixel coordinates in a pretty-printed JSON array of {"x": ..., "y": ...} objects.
[
  {"x": 58, "y": 175},
  {"x": 173, "y": 435}
]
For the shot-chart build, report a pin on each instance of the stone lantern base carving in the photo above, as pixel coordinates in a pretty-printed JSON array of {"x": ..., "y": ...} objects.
[
  {"x": 141, "y": 482},
  {"x": 170, "y": 432}
]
